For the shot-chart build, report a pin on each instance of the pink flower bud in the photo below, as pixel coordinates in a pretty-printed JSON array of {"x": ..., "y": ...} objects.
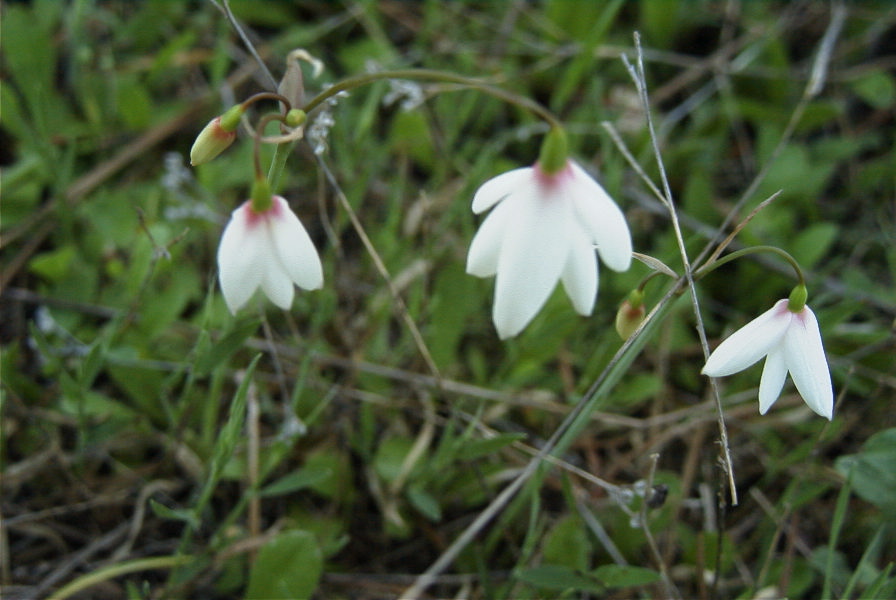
[{"x": 211, "y": 142}]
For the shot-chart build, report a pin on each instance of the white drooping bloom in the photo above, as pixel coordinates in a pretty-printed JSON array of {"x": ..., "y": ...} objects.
[
  {"x": 544, "y": 228},
  {"x": 790, "y": 341},
  {"x": 267, "y": 249}
]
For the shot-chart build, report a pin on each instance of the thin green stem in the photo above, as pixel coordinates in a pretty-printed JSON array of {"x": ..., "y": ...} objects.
[
  {"x": 278, "y": 163},
  {"x": 704, "y": 270},
  {"x": 436, "y": 76},
  {"x": 259, "y": 133},
  {"x": 638, "y": 75},
  {"x": 143, "y": 564},
  {"x": 266, "y": 96},
  {"x": 647, "y": 279}
]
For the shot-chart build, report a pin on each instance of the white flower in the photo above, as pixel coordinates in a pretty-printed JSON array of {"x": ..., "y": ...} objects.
[
  {"x": 544, "y": 228},
  {"x": 792, "y": 342},
  {"x": 270, "y": 249}
]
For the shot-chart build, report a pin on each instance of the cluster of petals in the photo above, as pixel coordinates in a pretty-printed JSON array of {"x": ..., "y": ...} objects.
[
  {"x": 270, "y": 250},
  {"x": 544, "y": 228},
  {"x": 791, "y": 342}
]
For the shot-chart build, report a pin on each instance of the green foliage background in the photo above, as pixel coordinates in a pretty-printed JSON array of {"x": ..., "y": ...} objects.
[{"x": 126, "y": 382}]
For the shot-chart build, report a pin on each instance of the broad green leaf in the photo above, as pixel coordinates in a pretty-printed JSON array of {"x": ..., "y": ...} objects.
[
  {"x": 390, "y": 457},
  {"x": 425, "y": 502},
  {"x": 567, "y": 544},
  {"x": 473, "y": 449},
  {"x": 872, "y": 471},
  {"x": 288, "y": 567},
  {"x": 556, "y": 577},
  {"x": 54, "y": 264},
  {"x": 877, "y": 88},
  {"x": 625, "y": 575},
  {"x": 211, "y": 354},
  {"x": 812, "y": 243},
  {"x": 301, "y": 479}
]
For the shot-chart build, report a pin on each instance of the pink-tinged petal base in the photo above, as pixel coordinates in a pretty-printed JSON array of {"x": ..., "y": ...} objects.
[
  {"x": 267, "y": 249},
  {"x": 240, "y": 262},
  {"x": 537, "y": 234}
]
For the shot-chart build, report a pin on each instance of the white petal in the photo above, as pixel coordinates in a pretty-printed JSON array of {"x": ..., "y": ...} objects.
[
  {"x": 296, "y": 253},
  {"x": 749, "y": 343},
  {"x": 482, "y": 259},
  {"x": 804, "y": 353},
  {"x": 497, "y": 188},
  {"x": 240, "y": 265},
  {"x": 773, "y": 375},
  {"x": 534, "y": 252},
  {"x": 580, "y": 273},
  {"x": 602, "y": 219},
  {"x": 277, "y": 284}
]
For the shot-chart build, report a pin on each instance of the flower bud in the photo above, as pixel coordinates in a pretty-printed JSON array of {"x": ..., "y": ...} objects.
[
  {"x": 630, "y": 315},
  {"x": 292, "y": 86},
  {"x": 296, "y": 117},
  {"x": 216, "y": 136}
]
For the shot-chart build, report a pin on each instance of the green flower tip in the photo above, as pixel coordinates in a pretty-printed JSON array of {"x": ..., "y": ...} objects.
[
  {"x": 262, "y": 201},
  {"x": 554, "y": 151},
  {"x": 797, "y": 300},
  {"x": 296, "y": 117}
]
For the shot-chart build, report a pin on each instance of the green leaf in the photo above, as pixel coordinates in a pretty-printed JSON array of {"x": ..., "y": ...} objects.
[
  {"x": 812, "y": 244},
  {"x": 473, "y": 449},
  {"x": 134, "y": 104},
  {"x": 871, "y": 471},
  {"x": 625, "y": 575},
  {"x": 877, "y": 88},
  {"x": 556, "y": 577},
  {"x": 289, "y": 566},
  {"x": 173, "y": 514},
  {"x": 567, "y": 544},
  {"x": 210, "y": 355},
  {"x": 425, "y": 503},
  {"x": 410, "y": 135},
  {"x": 390, "y": 457},
  {"x": 55, "y": 264},
  {"x": 301, "y": 479}
]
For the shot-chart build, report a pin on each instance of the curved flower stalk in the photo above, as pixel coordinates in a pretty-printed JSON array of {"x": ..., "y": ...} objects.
[
  {"x": 791, "y": 342},
  {"x": 543, "y": 228},
  {"x": 268, "y": 249}
]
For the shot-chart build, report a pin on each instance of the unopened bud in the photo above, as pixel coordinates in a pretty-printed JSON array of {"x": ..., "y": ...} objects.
[
  {"x": 216, "y": 136},
  {"x": 630, "y": 315},
  {"x": 292, "y": 86},
  {"x": 296, "y": 117}
]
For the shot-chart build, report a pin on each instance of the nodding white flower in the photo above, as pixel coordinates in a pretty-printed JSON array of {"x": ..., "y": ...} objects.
[
  {"x": 543, "y": 228},
  {"x": 269, "y": 249},
  {"x": 790, "y": 341}
]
